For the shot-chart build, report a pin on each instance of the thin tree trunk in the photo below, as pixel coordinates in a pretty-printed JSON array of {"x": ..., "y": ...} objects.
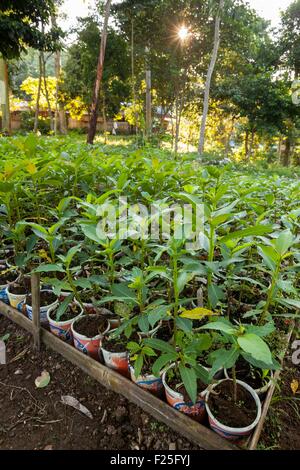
[
  {"x": 247, "y": 144},
  {"x": 95, "y": 102},
  {"x": 4, "y": 96},
  {"x": 133, "y": 78},
  {"x": 287, "y": 152},
  {"x": 37, "y": 105},
  {"x": 251, "y": 143},
  {"x": 209, "y": 77},
  {"x": 46, "y": 91},
  {"x": 148, "y": 99}
]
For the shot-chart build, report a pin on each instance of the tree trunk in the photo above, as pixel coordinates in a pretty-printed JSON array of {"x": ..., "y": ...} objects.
[
  {"x": 247, "y": 144},
  {"x": 287, "y": 153},
  {"x": 46, "y": 91},
  {"x": 104, "y": 118},
  {"x": 4, "y": 96},
  {"x": 209, "y": 77},
  {"x": 251, "y": 144},
  {"x": 133, "y": 78},
  {"x": 95, "y": 102},
  {"x": 148, "y": 99},
  {"x": 37, "y": 105}
]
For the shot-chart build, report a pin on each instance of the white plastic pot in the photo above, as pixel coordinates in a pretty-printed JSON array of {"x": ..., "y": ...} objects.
[
  {"x": 148, "y": 382},
  {"x": 43, "y": 310},
  {"x": 233, "y": 434},
  {"x": 196, "y": 410},
  {"x": 89, "y": 346},
  {"x": 62, "y": 329},
  {"x": 15, "y": 299}
]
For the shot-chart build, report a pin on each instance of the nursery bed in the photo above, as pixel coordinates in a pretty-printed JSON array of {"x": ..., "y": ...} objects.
[{"x": 194, "y": 432}]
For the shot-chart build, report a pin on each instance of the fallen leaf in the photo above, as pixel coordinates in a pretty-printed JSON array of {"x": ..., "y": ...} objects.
[
  {"x": 295, "y": 386},
  {"x": 43, "y": 380},
  {"x": 71, "y": 401}
]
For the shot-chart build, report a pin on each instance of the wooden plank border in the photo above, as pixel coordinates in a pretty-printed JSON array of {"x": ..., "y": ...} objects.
[{"x": 191, "y": 430}]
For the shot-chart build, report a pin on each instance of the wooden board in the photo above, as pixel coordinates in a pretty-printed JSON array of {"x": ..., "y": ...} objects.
[{"x": 191, "y": 430}]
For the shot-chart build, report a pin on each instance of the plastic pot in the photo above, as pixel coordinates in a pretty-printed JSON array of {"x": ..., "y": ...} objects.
[
  {"x": 3, "y": 294},
  {"x": 118, "y": 361},
  {"x": 62, "y": 329},
  {"x": 233, "y": 434},
  {"x": 15, "y": 299},
  {"x": 43, "y": 310},
  {"x": 89, "y": 346},
  {"x": 148, "y": 382},
  {"x": 196, "y": 411}
]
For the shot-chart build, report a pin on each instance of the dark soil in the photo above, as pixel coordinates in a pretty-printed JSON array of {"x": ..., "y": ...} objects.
[
  {"x": 46, "y": 298},
  {"x": 7, "y": 276},
  {"x": 35, "y": 419},
  {"x": 72, "y": 312},
  {"x": 165, "y": 332},
  {"x": 118, "y": 345},
  {"x": 248, "y": 374},
  {"x": 235, "y": 415},
  {"x": 18, "y": 289},
  {"x": 91, "y": 325}
]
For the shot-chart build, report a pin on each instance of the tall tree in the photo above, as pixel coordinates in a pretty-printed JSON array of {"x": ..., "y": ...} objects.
[
  {"x": 96, "y": 95},
  {"x": 209, "y": 76},
  {"x": 19, "y": 28}
]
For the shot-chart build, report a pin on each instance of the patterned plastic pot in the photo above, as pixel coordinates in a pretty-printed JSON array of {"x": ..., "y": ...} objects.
[
  {"x": 118, "y": 361},
  {"x": 62, "y": 329},
  {"x": 14, "y": 299},
  {"x": 236, "y": 435},
  {"x": 43, "y": 310},
  {"x": 3, "y": 295},
  {"x": 89, "y": 346},
  {"x": 149, "y": 382},
  {"x": 196, "y": 411},
  {"x": 260, "y": 391}
]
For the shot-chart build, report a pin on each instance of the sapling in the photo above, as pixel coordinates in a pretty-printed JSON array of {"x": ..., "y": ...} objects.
[
  {"x": 244, "y": 341},
  {"x": 184, "y": 355},
  {"x": 274, "y": 255}
]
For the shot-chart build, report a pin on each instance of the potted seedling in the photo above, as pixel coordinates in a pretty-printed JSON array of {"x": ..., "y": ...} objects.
[
  {"x": 7, "y": 276},
  {"x": 184, "y": 379},
  {"x": 61, "y": 316},
  {"x": 142, "y": 358},
  {"x": 233, "y": 407},
  {"x": 17, "y": 291},
  {"x": 48, "y": 300},
  {"x": 115, "y": 353}
]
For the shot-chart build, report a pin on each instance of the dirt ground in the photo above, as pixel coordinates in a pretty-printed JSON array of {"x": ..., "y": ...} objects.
[{"x": 35, "y": 419}]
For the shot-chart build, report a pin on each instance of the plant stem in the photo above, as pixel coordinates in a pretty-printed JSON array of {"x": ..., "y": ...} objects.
[{"x": 234, "y": 384}]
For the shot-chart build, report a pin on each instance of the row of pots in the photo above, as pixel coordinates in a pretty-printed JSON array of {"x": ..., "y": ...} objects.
[{"x": 119, "y": 361}]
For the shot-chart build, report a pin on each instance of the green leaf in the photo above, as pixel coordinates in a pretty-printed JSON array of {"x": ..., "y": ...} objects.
[
  {"x": 63, "y": 307},
  {"x": 184, "y": 324},
  {"x": 162, "y": 361},
  {"x": 189, "y": 380},
  {"x": 159, "y": 345},
  {"x": 261, "y": 331},
  {"x": 138, "y": 365},
  {"x": 289, "y": 303},
  {"x": 143, "y": 323},
  {"x": 49, "y": 268},
  {"x": 258, "y": 230},
  {"x": 220, "y": 326},
  {"x": 284, "y": 242},
  {"x": 254, "y": 345},
  {"x": 269, "y": 255},
  {"x": 215, "y": 294}
]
